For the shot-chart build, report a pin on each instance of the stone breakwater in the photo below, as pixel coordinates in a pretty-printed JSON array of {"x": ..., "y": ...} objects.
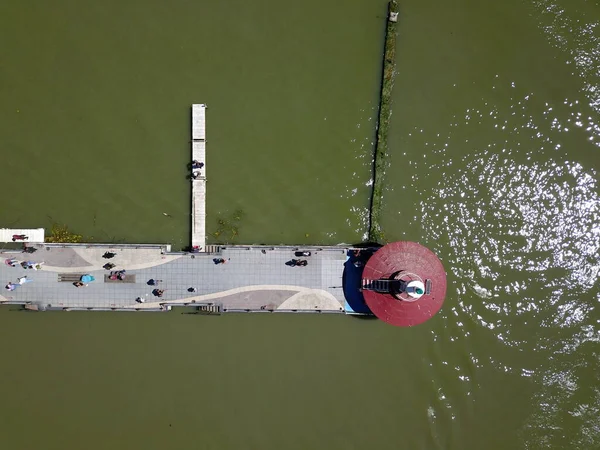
[{"x": 385, "y": 112}]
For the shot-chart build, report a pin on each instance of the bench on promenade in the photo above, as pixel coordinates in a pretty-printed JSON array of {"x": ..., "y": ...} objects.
[
  {"x": 126, "y": 279},
  {"x": 70, "y": 277}
]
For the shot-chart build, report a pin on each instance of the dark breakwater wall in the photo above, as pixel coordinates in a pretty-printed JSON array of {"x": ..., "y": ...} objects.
[{"x": 385, "y": 112}]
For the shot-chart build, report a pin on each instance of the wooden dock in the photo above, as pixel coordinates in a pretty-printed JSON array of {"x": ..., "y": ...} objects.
[
  {"x": 199, "y": 177},
  {"x": 33, "y": 235}
]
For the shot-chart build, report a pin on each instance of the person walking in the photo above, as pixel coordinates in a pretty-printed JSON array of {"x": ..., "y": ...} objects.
[
  {"x": 23, "y": 280},
  {"x": 11, "y": 286}
]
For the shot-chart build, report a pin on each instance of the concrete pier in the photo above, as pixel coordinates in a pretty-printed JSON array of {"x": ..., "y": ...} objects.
[
  {"x": 210, "y": 279},
  {"x": 252, "y": 278},
  {"x": 199, "y": 177}
]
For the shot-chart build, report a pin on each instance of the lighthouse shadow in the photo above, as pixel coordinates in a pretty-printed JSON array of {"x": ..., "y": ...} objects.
[{"x": 352, "y": 279}]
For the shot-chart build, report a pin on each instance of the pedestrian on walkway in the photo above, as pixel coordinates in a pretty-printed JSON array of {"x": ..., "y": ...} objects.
[
  {"x": 19, "y": 237},
  {"x": 219, "y": 260},
  {"x": 153, "y": 282},
  {"x": 109, "y": 255},
  {"x": 192, "y": 289},
  {"x": 23, "y": 280},
  {"x": 11, "y": 286},
  {"x": 158, "y": 292},
  {"x": 108, "y": 266}
]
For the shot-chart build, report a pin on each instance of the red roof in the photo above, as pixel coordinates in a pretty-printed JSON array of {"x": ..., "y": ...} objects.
[{"x": 416, "y": 259}]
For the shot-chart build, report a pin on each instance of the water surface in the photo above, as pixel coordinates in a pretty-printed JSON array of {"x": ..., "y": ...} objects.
[
  {"x": 499, "y": 145},
  {"x": 493, "y": 165},
  {"x": 96, "y": 116}
]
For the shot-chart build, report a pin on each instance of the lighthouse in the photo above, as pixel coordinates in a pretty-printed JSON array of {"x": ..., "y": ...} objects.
[{"x": 404, "y": 283}]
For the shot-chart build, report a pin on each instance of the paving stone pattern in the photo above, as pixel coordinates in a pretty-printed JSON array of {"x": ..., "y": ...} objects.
[{"x": 251, "y": 277}]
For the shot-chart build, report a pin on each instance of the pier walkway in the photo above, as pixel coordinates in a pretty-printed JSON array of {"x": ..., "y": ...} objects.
[
  {"x": 199, "y": 176},
  {"x": 211, "y": 279},
  {"x": 33, "y": 235},
  {"x": 254, "y": 278}
]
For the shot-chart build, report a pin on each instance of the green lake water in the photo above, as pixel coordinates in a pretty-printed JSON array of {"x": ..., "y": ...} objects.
[{"x": 494, "y": 166}]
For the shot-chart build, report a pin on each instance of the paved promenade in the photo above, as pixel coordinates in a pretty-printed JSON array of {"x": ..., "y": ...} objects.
[{"x": 252, "y": 278}]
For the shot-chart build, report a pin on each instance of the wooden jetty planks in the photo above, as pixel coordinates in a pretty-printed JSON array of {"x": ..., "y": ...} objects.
[
  {"x": 199, "y": 183},
  {"x": 33, "y": 235}
]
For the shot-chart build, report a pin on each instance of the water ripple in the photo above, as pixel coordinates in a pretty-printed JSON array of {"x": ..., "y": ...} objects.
[
  {"x": 515, "y": 227},
  {"x": 517, "y": 220}
]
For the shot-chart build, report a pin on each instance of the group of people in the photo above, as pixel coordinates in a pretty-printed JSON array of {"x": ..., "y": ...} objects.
[
  {"x": 24, "y": 264},
  {"x": 156, "y": 292},
  {"x": 196, "y": 166},
  {"x": 359, "y": 258},
  {"x": 122, "y": 274},
  {"x": 10, "y": 286},
  {"x": 114, "y": 275},
  {"x": 117, "y": 275},
  {"x": 159, "y": 292},
  {"x": 298, "y": 262}
]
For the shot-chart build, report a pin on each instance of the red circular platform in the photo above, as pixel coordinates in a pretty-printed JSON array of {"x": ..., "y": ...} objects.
[{"x": 413, "y": 258}]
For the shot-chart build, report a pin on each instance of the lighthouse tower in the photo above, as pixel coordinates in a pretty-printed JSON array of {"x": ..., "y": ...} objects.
[{"x": 404, "y": 283}]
